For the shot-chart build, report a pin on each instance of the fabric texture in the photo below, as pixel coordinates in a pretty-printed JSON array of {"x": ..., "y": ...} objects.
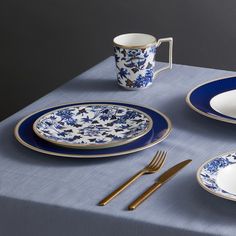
[{"x": 45, "y": 195}]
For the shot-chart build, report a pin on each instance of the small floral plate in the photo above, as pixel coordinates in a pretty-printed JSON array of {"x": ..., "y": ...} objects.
[
  {"x": 93, "y": 126},
  {"x": 218, "y": 175}
]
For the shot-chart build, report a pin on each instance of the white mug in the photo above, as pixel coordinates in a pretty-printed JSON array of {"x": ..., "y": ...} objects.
[{"x": 135, "y": 59}]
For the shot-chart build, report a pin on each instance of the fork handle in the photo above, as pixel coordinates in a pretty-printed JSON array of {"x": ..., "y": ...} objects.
[
  {"x": 144, "y": 196},
  {"x": 120, "y": 189}
]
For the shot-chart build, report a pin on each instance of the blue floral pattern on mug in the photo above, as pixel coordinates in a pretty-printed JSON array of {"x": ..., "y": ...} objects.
[
  {"x": 92, "y": 124},
  {"x": 209, "y": 172},
  {"x": 135, "y": 67}
]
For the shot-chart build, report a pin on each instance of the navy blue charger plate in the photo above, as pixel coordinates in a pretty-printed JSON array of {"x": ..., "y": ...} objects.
[
  {"x": 160, "y": 130},
  {"x": 199, "y": 98}
]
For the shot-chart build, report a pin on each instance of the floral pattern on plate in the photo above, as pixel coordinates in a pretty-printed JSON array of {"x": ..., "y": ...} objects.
[
  {"x": 135, "y": 66},
  {"x": 93, "y": 126},
  {"x": 208, "y": 172}
]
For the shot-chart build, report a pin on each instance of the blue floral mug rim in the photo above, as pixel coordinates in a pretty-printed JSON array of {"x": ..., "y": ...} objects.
[{"x": 152, "y": 42}]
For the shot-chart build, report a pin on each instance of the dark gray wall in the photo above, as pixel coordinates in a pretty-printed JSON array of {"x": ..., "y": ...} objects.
[{"x": 45, "y": 43}]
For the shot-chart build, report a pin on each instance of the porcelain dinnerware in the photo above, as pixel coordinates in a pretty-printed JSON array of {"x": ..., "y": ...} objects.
[
  {"x": 215, "y": 99},
  {"x": 218, "y": 175},
  {"x": 160, "y": 130},
  {"x": 225, "y": 103},
  {"x": 135, "y": 59},
  {"x": 93, "y": 125}
]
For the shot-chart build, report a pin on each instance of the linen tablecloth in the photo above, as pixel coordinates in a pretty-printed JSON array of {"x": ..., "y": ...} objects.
[{"x": 44, "y": 195}]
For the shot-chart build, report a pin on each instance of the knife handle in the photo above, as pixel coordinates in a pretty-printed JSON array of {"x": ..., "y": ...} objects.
[
  {"x": 144, "y": 196},
  {"x": 120, "y": 189}
]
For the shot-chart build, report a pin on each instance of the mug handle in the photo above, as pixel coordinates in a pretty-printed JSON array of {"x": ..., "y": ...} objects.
[{"x": 159, "y": 42}]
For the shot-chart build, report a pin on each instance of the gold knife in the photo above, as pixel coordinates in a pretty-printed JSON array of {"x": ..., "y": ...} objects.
[{"x": 159, "y": 182}]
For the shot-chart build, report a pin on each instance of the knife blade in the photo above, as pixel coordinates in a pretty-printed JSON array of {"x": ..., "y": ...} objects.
[
  {"x": 172, "y": 171},
  {"x": 158, "y": 183}
]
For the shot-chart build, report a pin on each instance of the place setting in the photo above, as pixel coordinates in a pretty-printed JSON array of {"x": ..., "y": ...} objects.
[
  {"x": 98, "y": 129},
  {"x": 105, "y": 129},
  {"x": 118, "y": 118}
]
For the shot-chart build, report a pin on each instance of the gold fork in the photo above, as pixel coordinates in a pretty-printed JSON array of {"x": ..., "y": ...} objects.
[{"x": 156, "y": 163}]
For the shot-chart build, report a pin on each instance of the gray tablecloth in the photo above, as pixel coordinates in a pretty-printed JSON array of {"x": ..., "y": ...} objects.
[{"x": 43, "y": 195}]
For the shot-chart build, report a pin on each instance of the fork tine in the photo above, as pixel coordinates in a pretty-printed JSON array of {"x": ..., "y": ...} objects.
[
  {"x": 156, "y": 159},
  {"x": 160, "y": 160},
  {"x": 160, "y": 163}
]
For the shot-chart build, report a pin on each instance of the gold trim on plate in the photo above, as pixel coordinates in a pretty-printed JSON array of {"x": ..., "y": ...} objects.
[
  {"x": 215, "y": 117},
  {"x": 165, "y": 135},
  {"x": 94, "y": 146},
  {"x": 201, "y": 183}
]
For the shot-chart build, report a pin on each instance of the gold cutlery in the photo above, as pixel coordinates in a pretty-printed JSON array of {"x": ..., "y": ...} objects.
[
  {"x": 156, "y": 163},
  {"x": 159, "y": 182}
]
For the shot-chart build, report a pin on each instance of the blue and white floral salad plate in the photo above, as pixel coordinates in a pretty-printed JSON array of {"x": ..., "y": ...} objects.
[
  {"x": 215, "y": 99},
  {"x": 26, "y": 136},
  {"x": 93, "y": 125},
  {"x": 218, "y": 176}
]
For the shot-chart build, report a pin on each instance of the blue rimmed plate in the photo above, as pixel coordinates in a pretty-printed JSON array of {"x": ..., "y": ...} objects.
[
  {"x": 160, "y": 130},
  {"x": 92, "y": 126},
  {"x": 218, "y": 175},
  {"x": 212, "y": 99}
]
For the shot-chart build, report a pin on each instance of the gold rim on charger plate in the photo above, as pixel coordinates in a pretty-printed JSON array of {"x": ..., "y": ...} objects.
[
  {"x": 215, "y": 117},
  {"x": 94, "y": 146},
  {"x": 165, "y": 135},
  {"x": 201, "y": 183}
]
